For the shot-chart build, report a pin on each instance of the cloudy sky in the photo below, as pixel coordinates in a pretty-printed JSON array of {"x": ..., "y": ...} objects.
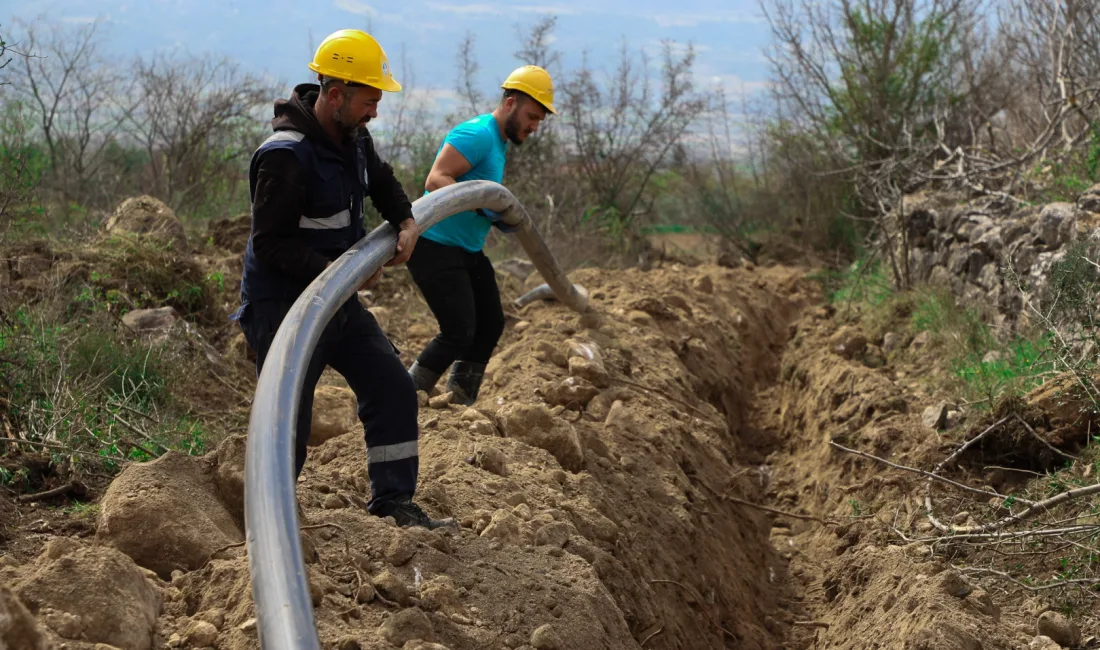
[{"x": 276, "y": 36}]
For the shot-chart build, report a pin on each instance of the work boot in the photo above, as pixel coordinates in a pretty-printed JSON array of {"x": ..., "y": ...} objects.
[
  {"x": 407, "y": 514},
  {"x": 423, "y": 379},
  {"x": 464, "y": 382}
]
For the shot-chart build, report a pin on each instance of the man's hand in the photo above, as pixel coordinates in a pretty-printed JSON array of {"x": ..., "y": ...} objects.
[
  {"x": 406, "y": 241},
  {"x": 371, "y": 281}
]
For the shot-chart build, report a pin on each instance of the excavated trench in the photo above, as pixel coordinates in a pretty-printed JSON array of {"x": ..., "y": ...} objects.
[{"x": 603, "y": 483}]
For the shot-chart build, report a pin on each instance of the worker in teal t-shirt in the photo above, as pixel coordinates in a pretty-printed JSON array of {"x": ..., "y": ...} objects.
[{"x": 448, "y": 265}]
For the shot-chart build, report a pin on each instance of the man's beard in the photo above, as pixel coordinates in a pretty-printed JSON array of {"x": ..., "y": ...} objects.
[
  {"x": 348, "y": 127},
  {"x": 511, "y": 130}
]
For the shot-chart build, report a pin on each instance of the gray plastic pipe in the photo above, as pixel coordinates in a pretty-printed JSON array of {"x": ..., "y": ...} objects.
[{"x": 279, "y": 584}]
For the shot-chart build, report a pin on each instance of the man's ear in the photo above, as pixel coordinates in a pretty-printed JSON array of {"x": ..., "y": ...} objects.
[{"x": 334, "y": 94}]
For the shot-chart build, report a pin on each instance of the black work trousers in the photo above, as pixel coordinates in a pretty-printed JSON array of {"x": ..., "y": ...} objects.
[
  {"x": 460, "y": 288},
  {"x": 354, "y": 345}
]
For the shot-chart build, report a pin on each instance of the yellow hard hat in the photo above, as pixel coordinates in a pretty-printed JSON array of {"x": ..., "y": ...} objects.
[
  {"x": 353, "y": 55},
  {"x": 534, "y": 81}
]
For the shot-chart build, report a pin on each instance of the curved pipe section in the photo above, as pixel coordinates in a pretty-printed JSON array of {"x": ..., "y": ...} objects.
[{"x": 280, "y": 587}]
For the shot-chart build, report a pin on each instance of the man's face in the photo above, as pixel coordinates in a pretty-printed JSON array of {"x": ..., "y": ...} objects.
[
  {"x": 524, "y": 119},
  {"x": 355, "y": 106}
]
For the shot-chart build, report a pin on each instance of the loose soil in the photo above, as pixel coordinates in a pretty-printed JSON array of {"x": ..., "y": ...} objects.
[{"x": 620, "y": 483}]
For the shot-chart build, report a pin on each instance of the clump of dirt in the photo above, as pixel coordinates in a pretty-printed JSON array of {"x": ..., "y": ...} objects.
[
  {"x": 168, "y": 514},
  {"x": 89, "y": 594},
  {"x": 149, "y": 216}
]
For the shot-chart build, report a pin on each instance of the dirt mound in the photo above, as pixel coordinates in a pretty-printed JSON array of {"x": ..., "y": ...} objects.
[
  {"x": 18, "y": 628},
  {"x": 91, "y": 593},
  {"x": 929, "y": 606},
  {"x": 231, "y": 233},
  {"x": 147, "y": 215},
  {"x": 862, "y": 549},
  {"x": 589, "y": 480},
  {"x": 169, "y": 514}
]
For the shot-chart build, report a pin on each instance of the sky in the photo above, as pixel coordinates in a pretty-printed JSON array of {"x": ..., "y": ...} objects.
[{"x": 277, "y": 37}]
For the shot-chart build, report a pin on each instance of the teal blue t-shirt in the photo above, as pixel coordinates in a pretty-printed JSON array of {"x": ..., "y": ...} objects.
[{"x": 479, "y": 142}]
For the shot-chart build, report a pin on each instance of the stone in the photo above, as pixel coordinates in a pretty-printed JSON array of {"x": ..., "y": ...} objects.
[
  {"x": 546, "y": 351},
  {"x": 572, "y": 392},
  {"x": 555, "y": 534},
  {"x": 991, "y": 242},
  {"x": 703, "y": 284},
  {"x": 491, "y": 460},
  {"x": 848, "y": 343},
  {"x": 157, "y": 323},
  {"x": 545, "y": 637},
  {"x": 592, "y": 370},
  {"x": 989, "y": 277},
  {"x": 334, "y": 413},
  {"x": 365, "y": 594},
  {"x": 390, "y": 587},
  {"x": 1089, "y": 200},
  {"x": 892, "y": 341},
  {"x": 441, "y": 401},
  {"x": 504, "y": 526},
  {"x": 215, "y": 617},
  {"x": 1043, "y": 643},
  {"x": 1063, "y": 631},
  {"x": 935, "y": 416},
  {"x": 333, "y": 502},
  {"x": 533, "y": 424},
  {"x": 200, "y": 634},
  {"x": 401, "y": 550},
  {"x": 407, "y": 625},
  {"x": 921, "y": 262},
  {"x": 1056, "y": 225},
  {"x": 439, "y": 594}
]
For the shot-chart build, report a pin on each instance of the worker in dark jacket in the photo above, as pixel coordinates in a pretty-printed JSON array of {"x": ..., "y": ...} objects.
[
  {"x": 452, "y": 272},
  {"x": 308, "y": 182}
]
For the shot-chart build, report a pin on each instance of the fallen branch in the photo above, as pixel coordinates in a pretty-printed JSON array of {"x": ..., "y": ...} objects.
[
  {"x": 646, "y": 640},
  {"x": 922, "y": 472},
  {"x": 1050, "y": 585},
  {"x": 782, "y": 513},
  {"x": 1036, "y": 435},
  {"x": 219, "y": 550},
  {"x": 71, "y": 486},
  {"x": 658, "y": 393},
  {"x": 61, "y": 448}
]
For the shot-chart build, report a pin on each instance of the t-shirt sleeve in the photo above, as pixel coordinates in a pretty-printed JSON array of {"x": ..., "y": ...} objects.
[{"x": 472, "y": 140}]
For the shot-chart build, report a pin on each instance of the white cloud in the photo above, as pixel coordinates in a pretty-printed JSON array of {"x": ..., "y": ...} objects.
[
  {"x": 486, "y": 9},
  {"x": 464, "y": 9},
  {"x": 694, "y": 20},
  {"x": 356, "y": 7},
  {"x": 733, "y": 85}
]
